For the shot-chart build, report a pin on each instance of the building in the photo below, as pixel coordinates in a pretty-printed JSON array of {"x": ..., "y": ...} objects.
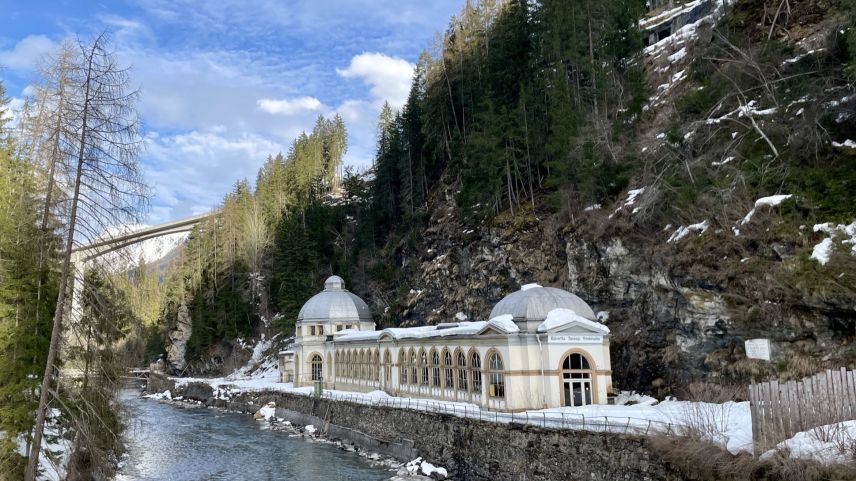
[{"x": 542, "y": 347}]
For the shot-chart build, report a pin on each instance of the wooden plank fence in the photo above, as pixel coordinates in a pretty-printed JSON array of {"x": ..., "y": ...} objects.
[{"x": 780, "y": 410}]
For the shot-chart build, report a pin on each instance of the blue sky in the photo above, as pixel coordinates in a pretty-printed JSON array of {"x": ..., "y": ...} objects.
[{"x": 225, "y": 83}]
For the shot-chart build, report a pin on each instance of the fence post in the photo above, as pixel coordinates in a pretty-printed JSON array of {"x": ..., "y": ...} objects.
[{"x": 544, "y": 422}]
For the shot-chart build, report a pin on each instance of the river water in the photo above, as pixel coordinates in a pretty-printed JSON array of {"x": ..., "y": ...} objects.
[{"x": 171, "y": 443}]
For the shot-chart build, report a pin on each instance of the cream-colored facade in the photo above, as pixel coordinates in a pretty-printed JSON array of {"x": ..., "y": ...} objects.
[{"x": 543, "y": 347}]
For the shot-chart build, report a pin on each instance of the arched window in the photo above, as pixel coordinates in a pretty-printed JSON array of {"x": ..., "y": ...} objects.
[
  {"x": 414, "y": 379},
  {"x": 423, "y": 362},
  {"x": 576, "y": 380},
  {"x": 402, "y": 368},
  {"x": 447, "y": 363},
  {"x": 497, "y": 376},
  {"x": 376, "y": 365},
  {"x": 435, "y": 368},
  {"x": 352, "y": 364},
  {"x": 462, "y": 371},
  {"x": 316, "y": 367},
  {"x": 362, "y": 372},
  {"x": 475, "y": 364},
  {"x": 387, "y": 361}
]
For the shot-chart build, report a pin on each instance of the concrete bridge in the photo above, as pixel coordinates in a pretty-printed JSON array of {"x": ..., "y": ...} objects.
[{"x": 80, "y": 255}]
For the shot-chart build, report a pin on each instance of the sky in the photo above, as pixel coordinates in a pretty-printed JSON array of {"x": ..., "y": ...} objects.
[{"x": 225, "y": 83}]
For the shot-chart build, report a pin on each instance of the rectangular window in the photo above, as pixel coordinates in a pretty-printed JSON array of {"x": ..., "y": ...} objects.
[
  {"x": 312, "y": 330},
  {"x": 320, "y": 330}
]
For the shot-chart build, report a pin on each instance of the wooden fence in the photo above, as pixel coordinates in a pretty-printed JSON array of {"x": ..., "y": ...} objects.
[{"x": 780, "y": 410}]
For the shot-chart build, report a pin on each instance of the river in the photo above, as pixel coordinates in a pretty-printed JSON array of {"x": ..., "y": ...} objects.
[{"x": 171, "y": 443}]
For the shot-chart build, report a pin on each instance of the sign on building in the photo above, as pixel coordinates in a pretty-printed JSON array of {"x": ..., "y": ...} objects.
[
  {"x": 758, "y": 349},
  {"x": 574, "y": 339}
]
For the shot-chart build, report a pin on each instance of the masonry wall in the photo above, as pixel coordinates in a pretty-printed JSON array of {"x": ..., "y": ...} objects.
[{"x": 476, "y": 450}]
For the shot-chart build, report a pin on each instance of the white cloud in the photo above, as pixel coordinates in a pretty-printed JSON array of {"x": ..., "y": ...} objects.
[
  {"x": 191, "y": 171},
  {"x": 389, "y": 77},
  {"x": 27, "y": 53},
  {"x": 289, "y": 107}
]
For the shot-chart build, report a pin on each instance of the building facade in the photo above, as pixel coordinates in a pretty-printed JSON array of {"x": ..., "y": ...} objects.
[{"x": 542, "y": 347}]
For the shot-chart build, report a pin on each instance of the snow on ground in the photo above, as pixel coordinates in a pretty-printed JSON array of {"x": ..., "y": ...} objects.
[
  {"x": 682, "y": 231},
  {"x": 259, "y": 365},
  {"x": 626, "y": 398},
  {"x": 771, "y": 201},
  {"x": 830, "y": 444},
  {"x": 53, "y": 459},
  {"x": 419, "y": 465},
  {"x": 726, "y": 424},
  {"x": 632, "y": 195},
  {"x": 847, "y": 144},
  {"x": 823, "y": 250}
]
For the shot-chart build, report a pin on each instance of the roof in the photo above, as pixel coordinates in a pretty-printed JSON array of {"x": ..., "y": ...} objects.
[
  {"x": 533, "y": 302},
  {"x": 425, "y": 332},
  {"x": 559, "y": 319},
  {"x": 335, "y": 304}
]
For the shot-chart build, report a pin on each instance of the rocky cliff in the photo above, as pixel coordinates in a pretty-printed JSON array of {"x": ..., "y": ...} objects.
[{"x": 682, "y": 283}]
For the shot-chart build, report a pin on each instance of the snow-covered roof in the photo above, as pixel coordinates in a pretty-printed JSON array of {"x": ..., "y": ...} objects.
[
  {"x": 558, "y": 318},
  {"x": 533, "y": 302},
  {"x": 423, "y": 332},
  {"x": 504, "y": 323}
]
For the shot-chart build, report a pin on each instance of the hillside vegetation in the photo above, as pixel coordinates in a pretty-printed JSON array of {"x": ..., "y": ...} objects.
[{"x": 701, "y": 190}]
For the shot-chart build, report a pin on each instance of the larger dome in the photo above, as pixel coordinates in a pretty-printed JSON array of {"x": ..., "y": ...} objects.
[
  {"x": 534, "y": 302},
  {"x": 335, "y": 304}
]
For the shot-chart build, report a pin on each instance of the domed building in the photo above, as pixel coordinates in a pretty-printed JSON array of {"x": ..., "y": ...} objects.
[{"x": 542, "y": 347}]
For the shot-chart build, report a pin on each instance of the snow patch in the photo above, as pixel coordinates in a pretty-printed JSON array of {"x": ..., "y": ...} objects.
[
  {"x": 771, "y": 201},
  {"x": 829, "y": 444},
  {"x": 847, "y": 144},
  {"x": 682, "y": 231}
]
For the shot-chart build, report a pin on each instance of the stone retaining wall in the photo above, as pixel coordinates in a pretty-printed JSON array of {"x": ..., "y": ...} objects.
[{"x": 468, "y": 448}]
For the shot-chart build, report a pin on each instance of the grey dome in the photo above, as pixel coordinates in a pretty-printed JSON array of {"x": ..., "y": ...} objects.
[
  {"x": 533, "y": 303},
  {"x": 335, "y": 304}
]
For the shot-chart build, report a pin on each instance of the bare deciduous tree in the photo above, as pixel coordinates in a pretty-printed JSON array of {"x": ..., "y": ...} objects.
[{"x": 94, "y": 130}]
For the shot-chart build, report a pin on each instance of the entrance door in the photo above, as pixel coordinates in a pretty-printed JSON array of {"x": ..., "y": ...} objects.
[{"x": 576, "y": 381}]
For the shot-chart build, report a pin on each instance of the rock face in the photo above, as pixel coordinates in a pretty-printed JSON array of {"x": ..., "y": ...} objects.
[
  {"x": 678, "y": 312},
  {"x": 178, "y": 337}
]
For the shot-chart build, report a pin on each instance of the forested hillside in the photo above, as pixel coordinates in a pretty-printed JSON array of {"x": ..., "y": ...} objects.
[{"x": 698, "y": 186}]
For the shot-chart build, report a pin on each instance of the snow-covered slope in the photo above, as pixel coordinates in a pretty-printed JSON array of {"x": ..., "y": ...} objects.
[{"x": 150, "y": 251}]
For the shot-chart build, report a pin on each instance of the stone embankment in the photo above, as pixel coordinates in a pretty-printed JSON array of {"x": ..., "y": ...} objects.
[{"x": 470, "y": 449}]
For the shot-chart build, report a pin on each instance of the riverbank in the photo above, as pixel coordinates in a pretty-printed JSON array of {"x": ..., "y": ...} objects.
[
  {"x": 469, "y": 448},
  {"x": 180, "y": 440}
]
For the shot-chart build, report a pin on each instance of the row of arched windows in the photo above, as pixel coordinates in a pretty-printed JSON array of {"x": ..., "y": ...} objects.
[{"x": 457, "y": 371}]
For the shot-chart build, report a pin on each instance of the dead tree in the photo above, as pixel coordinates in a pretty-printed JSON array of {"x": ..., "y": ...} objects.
[{"x": 97, "y": 136}]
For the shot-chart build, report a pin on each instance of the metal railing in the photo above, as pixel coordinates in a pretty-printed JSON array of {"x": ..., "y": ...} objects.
[{"x": 545, "y": 419}]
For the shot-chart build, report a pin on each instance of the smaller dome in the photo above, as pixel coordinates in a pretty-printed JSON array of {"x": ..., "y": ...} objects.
[
  {"x": 534, "y": 302},
  {"x": 334, "y": 283},
  {"x": 335, "y": 304}
]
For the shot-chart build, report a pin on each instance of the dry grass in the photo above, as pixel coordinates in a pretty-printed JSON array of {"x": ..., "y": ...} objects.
[
  {"x": 704, "y": 461},
  {"x": 712, "y": 392}
]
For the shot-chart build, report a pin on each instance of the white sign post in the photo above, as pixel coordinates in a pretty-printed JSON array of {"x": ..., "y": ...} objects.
[{"x": 758, "y": 349}]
